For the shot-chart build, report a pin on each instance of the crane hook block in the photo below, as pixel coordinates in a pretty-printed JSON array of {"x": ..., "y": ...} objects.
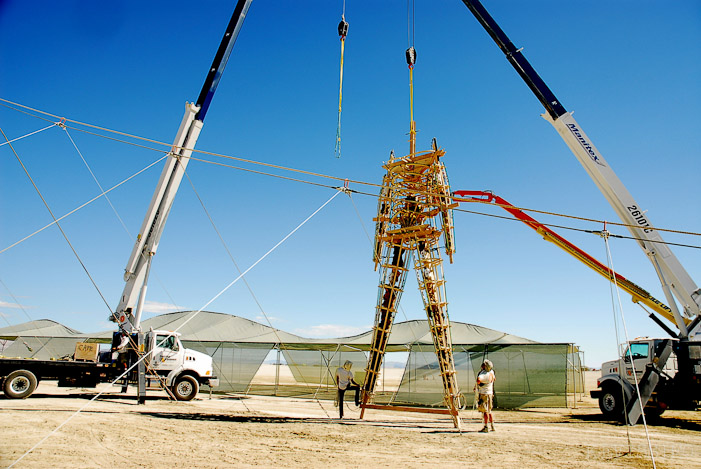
[
  {"x": 343, "y": 28},
  {"x": 411, "y": 56}
]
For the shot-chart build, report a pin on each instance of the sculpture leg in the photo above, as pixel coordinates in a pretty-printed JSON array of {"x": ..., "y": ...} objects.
[
  {"x": 430, "y": 278},
  {"x": 393, "y": 277}
]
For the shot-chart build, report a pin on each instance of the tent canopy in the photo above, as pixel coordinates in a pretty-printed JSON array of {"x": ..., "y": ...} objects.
[
  {"x": 530, "y": 373},
  {"x": 209, "y": 326},
  {"x": 40, "y": 328}
]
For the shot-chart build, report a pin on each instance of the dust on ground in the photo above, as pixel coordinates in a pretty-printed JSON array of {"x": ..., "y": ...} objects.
[{"x": 257, "y": 431}]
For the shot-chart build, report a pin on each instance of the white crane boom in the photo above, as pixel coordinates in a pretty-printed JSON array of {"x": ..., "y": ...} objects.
[
  {"x": 675, "y": 280},
  {"x": 136, "y": 271}
]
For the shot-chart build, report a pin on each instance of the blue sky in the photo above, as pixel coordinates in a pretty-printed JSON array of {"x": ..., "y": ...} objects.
[{"x": 628, "y": 70}]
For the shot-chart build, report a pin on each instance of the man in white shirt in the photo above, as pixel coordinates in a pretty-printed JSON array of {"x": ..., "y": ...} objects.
[
  {"x": 485, "y": 390},
  {"x": 344, "y": 382}
]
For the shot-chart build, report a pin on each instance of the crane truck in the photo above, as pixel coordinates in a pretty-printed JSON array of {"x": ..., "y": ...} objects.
[
  {"x": 137, "y": 357},
  {"x": 170, "y": 365},
  {"x": 663, "y": 372}
]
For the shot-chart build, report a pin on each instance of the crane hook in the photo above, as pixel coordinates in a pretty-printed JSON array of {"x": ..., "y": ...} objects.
[
  {"x": 343, "y": 28},
  {"x": 411, "y": 56}
]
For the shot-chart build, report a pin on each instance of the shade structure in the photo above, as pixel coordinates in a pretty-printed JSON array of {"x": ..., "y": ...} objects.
[{"x": 529, "y": 373}]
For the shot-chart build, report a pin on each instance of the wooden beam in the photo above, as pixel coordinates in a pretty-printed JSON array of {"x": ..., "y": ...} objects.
[{"x": 425, "y": 410}]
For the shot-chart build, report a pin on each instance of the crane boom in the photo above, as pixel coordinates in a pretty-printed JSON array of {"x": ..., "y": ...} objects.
[
  {"x": 675, "y": 281},
  {"x": 128, "y": 312}
]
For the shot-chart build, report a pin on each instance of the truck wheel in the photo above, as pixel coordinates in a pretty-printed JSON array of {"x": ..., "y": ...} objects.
[
  {"x": 611, "y": 401},
  {"x": 185, "y": 388},
  {"x": 19, "y": 384}
]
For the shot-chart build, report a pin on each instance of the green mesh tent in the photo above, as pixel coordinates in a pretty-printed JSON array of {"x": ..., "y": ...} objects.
[{"x": 528, "y": 373}]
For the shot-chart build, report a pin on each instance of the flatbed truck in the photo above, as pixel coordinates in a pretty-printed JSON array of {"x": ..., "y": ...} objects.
[{"x": 168, "y": 365}]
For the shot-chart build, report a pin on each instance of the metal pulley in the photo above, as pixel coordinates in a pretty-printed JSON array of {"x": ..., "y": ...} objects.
[
  {"x": 411, "y": 56},
  {"x": 343, "y": 28}
]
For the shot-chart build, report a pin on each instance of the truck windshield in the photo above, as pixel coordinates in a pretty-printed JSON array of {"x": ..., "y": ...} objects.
[
  {"x": 168, "y": 342},
  {"x": 638, "y": 351}
]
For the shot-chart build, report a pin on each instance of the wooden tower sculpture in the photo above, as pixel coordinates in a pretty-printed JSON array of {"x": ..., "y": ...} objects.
[{"x": 414, "y": 210}]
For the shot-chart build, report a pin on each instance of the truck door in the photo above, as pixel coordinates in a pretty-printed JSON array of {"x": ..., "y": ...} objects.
[
  {"x": 638, "y": 356},
  {"x": 166, "y": 356}
]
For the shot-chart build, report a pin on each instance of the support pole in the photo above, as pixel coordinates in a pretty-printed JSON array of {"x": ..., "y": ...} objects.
[
  {"x": 141, "y": 368},
  {"x": 277, "y": 370}
]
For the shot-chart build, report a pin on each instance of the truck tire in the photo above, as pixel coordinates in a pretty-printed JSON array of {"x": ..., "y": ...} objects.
[
  {"x": 19, "y": 384},
  {"x": 185, "y": 388},
  {"x": 611, "y": 401}
]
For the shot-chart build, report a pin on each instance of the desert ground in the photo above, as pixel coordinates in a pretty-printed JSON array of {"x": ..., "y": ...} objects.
[{"x": 65, "y": 427}]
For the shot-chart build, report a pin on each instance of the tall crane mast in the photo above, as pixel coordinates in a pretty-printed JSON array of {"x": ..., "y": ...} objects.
[
  {"x": 677, "y": 284},
  {"x": 128, "y": 312}
]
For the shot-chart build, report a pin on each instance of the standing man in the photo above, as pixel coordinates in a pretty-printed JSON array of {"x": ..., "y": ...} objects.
[
  {"x": 485, "y": 389},
  {"x": 344, "y": 382}
]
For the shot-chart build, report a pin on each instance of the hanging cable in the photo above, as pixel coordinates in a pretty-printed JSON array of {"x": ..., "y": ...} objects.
[
  {"x": 410, "y": 22},
  {"x": 411, "y": 61},
  {"x": 32, "y": 111},
  {"x": 102, "y": 190},
  {"x": 342, "y": 32},
  {"x": 65, "y": 236},
  {"x": 609, "y": 260},
  {"x": 56, "y": 220},
  {"x": 27, "y": 135}
]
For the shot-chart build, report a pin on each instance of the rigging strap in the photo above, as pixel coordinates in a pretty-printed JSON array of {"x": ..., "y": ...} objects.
[{"x": 342, "y": 32}]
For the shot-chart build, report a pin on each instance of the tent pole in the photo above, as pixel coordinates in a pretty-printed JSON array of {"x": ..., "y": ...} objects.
[{"x": 277, "y": 369}]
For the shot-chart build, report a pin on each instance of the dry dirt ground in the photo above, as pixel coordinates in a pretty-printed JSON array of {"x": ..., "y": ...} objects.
[{"x": 47, "y": 430}]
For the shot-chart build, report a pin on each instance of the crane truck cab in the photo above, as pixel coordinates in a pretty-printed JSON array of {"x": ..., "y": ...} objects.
[
  {"x": 668, "y": 374},
  {"x": 183, "y": 369}
]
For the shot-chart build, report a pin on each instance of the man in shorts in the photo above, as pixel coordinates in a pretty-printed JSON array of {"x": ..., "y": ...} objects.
[{"x": 485, "y": 396}]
